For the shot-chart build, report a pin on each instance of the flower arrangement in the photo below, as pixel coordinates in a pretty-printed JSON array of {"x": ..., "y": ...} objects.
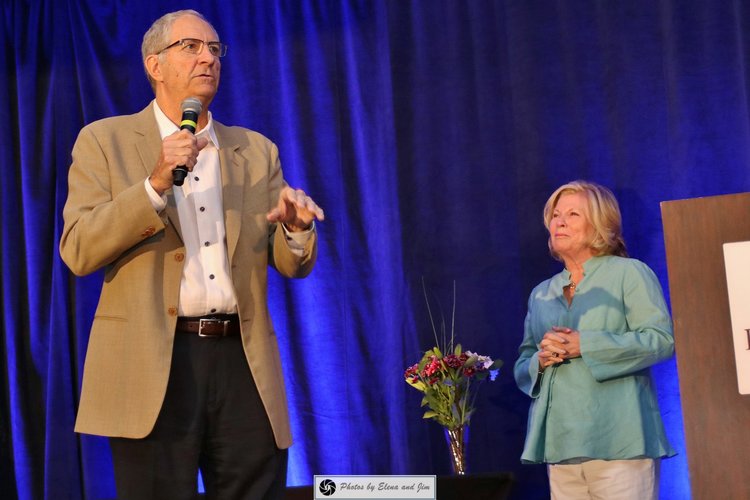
[
  {"x": 445, "y": 376},
  {"x": 446, "y": 381}
]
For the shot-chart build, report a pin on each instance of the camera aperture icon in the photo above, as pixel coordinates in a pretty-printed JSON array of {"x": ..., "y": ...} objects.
[{"x": 327, "y": 487}]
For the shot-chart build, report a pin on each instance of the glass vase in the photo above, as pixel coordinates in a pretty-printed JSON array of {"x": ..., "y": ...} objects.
[{"x": 457, "y": 439}]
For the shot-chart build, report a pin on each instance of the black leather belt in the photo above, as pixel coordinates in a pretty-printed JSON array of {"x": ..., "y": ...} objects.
[{"x": 220, "y": 325}]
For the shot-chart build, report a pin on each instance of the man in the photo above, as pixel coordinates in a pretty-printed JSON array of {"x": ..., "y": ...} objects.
[{"x": 183, "y": 369}]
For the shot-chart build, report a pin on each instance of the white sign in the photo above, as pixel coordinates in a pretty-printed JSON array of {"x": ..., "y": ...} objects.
[
  {"x": 392, "y": 487},
  {"x": 737, "y": 264}
]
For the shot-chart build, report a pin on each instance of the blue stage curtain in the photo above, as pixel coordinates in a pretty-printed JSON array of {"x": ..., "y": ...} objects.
[{"x": 432, "y": 133}]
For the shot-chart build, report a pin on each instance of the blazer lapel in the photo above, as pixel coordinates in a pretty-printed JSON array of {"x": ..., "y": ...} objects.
[
  {"x": 148, "y": 148},
  {"x": 232, "y": 180},
  {"x": 149, "y": 144}
]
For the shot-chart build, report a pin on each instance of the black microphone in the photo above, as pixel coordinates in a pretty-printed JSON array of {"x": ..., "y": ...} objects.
[{"x": 191, "y": 109}]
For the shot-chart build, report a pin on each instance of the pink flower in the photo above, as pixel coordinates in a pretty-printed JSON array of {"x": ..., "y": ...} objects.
[
  {"x": 412, "y": 372},
  {"x": 453, "y": 361},
  {"x": 432, "y": 368}
]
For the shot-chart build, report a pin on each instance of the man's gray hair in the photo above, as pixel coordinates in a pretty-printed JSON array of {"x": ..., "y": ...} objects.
[{"x": 157, "y": 36}]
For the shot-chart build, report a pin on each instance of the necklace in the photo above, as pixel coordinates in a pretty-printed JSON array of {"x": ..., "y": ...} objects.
[{"x": 568, "y": 291}]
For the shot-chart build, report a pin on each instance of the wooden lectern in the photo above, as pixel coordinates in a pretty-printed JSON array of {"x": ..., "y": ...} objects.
[{"x": 716, "y": 416}]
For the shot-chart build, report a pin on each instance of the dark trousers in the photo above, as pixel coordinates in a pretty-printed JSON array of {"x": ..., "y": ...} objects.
[{"x": 213, "y": 419}]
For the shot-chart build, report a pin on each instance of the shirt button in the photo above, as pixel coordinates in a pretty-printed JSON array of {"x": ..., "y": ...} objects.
[
  {"x": 196, "y": 178},
  {"x": 211, "y": 276},
  {"x": 206, "y": 243},
  {"x": 179, "y": 257},
  {"x": 149, "y": 231},
  {"x": 213, "y": 310},
  {"x": 172, "y": 311},
  {"x": 203, "y": 209}
]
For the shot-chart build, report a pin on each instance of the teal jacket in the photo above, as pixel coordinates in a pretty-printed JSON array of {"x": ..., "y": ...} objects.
[{"x": 602, "y": 405}]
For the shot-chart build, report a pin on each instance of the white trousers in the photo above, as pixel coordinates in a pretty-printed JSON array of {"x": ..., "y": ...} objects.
[{"x": 605, "y": 480}]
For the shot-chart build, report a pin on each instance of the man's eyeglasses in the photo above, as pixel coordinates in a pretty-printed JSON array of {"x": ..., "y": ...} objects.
[{"x": 195, "y": 46}]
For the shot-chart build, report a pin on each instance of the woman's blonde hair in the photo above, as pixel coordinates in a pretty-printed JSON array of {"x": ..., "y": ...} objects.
[{"x": 603, "y": 215}]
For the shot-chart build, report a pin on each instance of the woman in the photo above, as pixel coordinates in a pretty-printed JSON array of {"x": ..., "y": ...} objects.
[{"x": 591, "y": 333}]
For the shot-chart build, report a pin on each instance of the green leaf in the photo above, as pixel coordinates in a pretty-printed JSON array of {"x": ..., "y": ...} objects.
[{"x": 416, "y": 384}]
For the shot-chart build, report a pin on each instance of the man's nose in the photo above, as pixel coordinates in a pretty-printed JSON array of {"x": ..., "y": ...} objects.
[{"x": 206, "y": 56}]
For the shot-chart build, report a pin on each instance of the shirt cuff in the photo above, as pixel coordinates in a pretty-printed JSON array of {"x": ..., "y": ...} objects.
[
  {"x": 159, "y": 202},
  {"x": 298, "y": 240}
]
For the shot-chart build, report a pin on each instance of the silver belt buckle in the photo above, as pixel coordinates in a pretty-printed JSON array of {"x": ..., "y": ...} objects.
[{"x": 211, "y": 321}]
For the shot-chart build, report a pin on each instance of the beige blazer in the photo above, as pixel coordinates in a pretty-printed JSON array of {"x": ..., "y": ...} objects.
[{"x": 109, "y": 222}]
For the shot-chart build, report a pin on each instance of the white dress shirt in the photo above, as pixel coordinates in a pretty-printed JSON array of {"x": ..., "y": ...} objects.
[{"x": 206, "y": 286}]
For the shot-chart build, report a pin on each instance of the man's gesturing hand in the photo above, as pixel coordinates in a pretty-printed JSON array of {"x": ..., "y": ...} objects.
[{"x": 295, "y": 210}]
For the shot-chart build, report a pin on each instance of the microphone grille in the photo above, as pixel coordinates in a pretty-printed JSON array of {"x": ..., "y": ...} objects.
[{"x": 192, "y": 104}]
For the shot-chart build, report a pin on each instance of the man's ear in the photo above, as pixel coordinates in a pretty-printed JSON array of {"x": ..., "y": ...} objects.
[{"x": 153, "y": 66}]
